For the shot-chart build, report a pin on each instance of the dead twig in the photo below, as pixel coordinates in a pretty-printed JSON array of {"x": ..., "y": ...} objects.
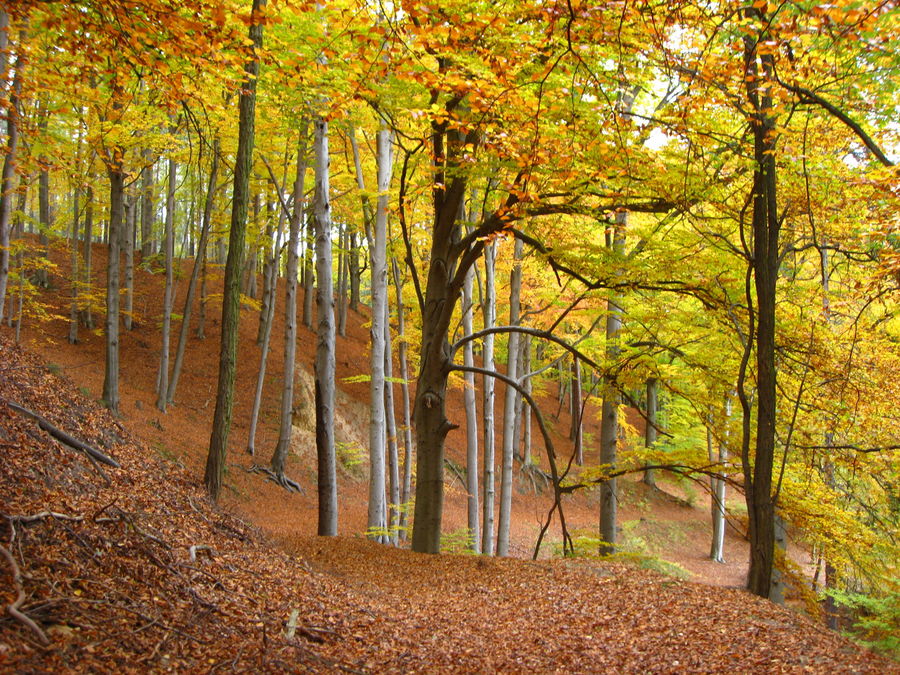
[
  {"x": 13, "y": 608},
  {"x": 25, "y": 520},
  {"x": 201, "y": 547}
]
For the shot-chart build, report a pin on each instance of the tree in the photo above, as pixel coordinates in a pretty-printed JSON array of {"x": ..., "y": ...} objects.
[{"x": 218, "y": 442}]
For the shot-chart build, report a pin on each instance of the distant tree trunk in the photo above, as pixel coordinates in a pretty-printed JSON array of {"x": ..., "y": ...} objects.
[
  {"x": 162, "y": 390},
  {"x": 509, "y": 405},
  {"x": 404, "y": 393},
  {"x": 489, "y": 310},
  {"x": 717, "y": 490},
  {"x": 309, "y": 275},
  {"x": 201, "y": 312},
  {"x": 128, "y": 244},
  {"x": 471, "y": 417},
  {"x": 650, "y": 432},
  {"x": 117, "y": 176},
  {"x": 342, "y": 282},
  {"x": 325, "y": 340},
  {"x": 87, "y": 317},
  {"x": 526, "y": 409},
  {"x": 609, "y": 420},
  {"x": 290, "y": 309},
  {"x": 270, "y": 266},
  {"x": 218, "y": 443},
  {"x": 575, "y": 432},
  {"x": 147, "y": 207},
  {"x": 353, "y": 270},
  {"x": 75, "y": 272},
  {"x": 266, "y": 324},
  {"x": 199, "y": 264},
  {"x": 45, "y": 216},
  {"x": 250, "y": 288},
  {"x": 393, "y": 460}
]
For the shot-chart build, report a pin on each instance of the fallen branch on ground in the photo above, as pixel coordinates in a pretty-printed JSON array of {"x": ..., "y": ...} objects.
[{"x": 62, "y": 436}]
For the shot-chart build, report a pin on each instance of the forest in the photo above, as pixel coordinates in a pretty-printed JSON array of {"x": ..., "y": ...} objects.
[{"x": 676, "y": 222}]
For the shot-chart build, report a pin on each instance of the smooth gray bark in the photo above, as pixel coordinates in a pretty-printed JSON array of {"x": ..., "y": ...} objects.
[
  {"x": 473, "y": 516},
  {"x": 290, "y": 309},
  {"x": 403, "y": 360},
  {"x": 509, "y": 405},
  {"x": 162, "y": 390},
  {"x": 9, "y": 171},
  {"x": 325, "y": 340},
  {"x": 128, "y": 233},
  {"x": 377, "y": 513},
  {"x": 489, "y": 311},
  {"x": 116, "y": 175}
]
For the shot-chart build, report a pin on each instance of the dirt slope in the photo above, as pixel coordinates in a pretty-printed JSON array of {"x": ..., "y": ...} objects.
[{"x": 130, "y": 570}]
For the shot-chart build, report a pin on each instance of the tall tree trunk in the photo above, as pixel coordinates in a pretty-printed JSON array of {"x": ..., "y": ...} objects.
[
  {"x": 45, "y": 213},
  {"x": 128, "y": 233},
  {"x": 116, "y": 173},
  {"x": 509, "y": 405},
  {"x": 87, "y": 316},
  {"x": 290, "y": 309},
  {"x": 250, "y": 287},
  {"x": 147, "y": 207},
  {"x": 609, "y": 418},
  {"x": 766, "y": 226},
  {"x": 75, "y": 272},
  {"x": 218, "y": 443},
  {"x": 471, "y": 418},
  {"x": 650, "y": 434},
  {"x": 526, "y": 409},
  {"x": 199, "y": 264},
  {"x": 717, "y": 488},
  {"x": 162, "y": 391},
  {"x": 575, "y": 432},
  {"x": 309, "y": 274},
  {"x": 393, "y": 460},
  {"x": 353, "y": 270},
  {"x": 342, "y": 282},
  {"x": 489, "y": 311},
  {"x": 404, "y": 393},
  {"x": 325, "y": 340},
  {"x": 377, "y": 516},
  {"x": 7, "y": 178},
  {"x": 270, "y": 263},
  {"x": 271, "y": 281}
]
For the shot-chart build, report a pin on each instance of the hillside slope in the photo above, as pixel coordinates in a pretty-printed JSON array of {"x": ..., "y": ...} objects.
[{"x": 130, "y": 569}]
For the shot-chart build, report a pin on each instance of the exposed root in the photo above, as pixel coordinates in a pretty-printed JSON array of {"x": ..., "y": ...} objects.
[{"x": 279, "y": 479}]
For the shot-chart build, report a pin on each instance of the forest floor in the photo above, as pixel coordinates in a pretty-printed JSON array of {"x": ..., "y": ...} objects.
[{"x": 142, "y": 574}]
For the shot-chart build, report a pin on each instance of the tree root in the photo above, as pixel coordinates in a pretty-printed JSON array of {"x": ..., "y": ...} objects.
[
  {"x": 539, "y": 478},
  {"x": 13, "y": 608},
  {"x": 278, "y": 479}
]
